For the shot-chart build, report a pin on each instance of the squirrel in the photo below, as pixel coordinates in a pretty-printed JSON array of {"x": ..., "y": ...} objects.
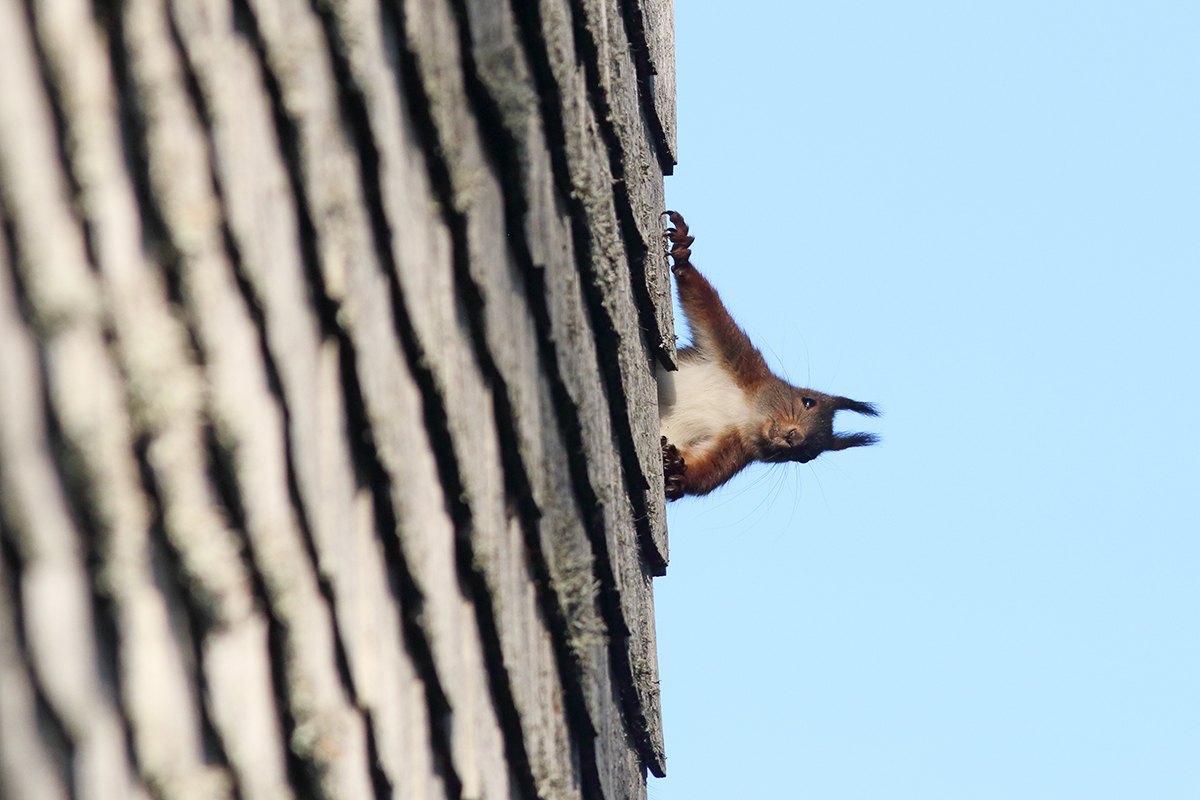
[{"x": 724, "y": 409}]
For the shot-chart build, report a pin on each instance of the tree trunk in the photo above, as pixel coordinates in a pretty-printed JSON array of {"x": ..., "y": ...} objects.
[{"x": 329, "y": 457}]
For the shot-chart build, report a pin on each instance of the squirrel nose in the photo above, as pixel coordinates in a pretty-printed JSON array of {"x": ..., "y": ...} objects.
[{"x": 793, "y": 437}]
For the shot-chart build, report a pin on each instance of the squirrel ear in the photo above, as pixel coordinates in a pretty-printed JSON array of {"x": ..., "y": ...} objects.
[
  {"x": 846, "y": 404},
  {"x": 841, "y": 441}
]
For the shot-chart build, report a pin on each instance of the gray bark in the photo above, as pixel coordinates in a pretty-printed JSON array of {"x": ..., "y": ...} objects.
[{"x": 328, "y": 441}]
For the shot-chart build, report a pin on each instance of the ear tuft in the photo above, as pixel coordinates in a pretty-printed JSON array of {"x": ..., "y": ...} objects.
[
  {"x": 842, "y": 441},
  {"x": 846, "y": 404}
]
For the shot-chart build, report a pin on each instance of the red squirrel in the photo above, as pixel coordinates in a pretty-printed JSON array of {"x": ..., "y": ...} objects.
[{"x": 724, "y": 408}]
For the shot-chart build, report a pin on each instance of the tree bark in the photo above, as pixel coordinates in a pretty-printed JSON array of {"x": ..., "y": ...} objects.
[{"x": 328, "y": 446}]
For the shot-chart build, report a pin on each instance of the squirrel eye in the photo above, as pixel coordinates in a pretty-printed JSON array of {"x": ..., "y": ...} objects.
[{"x": 808, "y": 402}]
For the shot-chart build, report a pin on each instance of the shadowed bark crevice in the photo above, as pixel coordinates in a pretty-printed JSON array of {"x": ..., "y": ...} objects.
[
  {"x": 50, "y": 731},
  {"x": 78, "y": 493},
  {"x": 607, "y": 336},
  {"x": 54, "y": 99},
  {"x": 244, "y": 253},
  {"x": 636, "y": 252},
  {"x": 372, "y": 475}
]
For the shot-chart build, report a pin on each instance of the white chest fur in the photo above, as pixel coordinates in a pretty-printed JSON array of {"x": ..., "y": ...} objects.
[{"x": 699, "y": 403}]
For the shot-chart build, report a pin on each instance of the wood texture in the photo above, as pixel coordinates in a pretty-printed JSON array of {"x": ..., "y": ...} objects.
[
  {"x": 328, "y": 436},
  {"x": 657, "y": 28}
]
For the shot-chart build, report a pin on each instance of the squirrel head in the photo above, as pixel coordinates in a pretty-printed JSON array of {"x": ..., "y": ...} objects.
[{"x": 799, "y": 424}]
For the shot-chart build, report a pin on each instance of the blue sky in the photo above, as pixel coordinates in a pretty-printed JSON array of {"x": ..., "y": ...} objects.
[{"x": 986, "y": 219}]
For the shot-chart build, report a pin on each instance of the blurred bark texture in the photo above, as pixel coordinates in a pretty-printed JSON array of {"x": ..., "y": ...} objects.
[{"x": 329, "y": 460}]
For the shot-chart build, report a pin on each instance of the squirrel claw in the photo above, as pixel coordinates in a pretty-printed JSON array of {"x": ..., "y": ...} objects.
[{"x": 673, "y": 470}]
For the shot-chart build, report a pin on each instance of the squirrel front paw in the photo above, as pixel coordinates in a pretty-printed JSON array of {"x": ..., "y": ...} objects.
[
  {"x": 680, "y": 241},
  {"x": 673, "y": 470}
]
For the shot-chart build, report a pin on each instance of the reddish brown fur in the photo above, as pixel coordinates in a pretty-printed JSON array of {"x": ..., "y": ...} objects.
[
  {"x": 788, "y": 423},
  {"x": 709, "y": 470},
  {"x": 706, "y": 313}
]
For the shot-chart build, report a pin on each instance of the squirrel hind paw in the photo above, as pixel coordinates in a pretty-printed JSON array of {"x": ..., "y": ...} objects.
[{"x": 673, "y": 470}]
